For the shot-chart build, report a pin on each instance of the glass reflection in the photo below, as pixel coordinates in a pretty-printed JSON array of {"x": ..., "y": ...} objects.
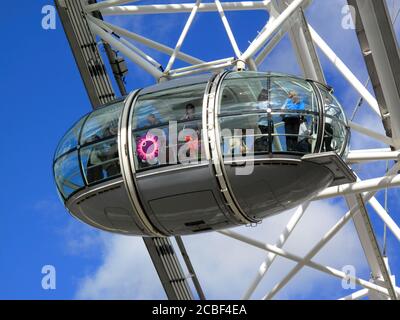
[
  {"x": 100, "y": 161},
  {"x": 101, "y": 124},
  {"x": 167, "y": 127},
  {"x": 71, "y": 139},
  {"x": 67, "y": 174},
  {"x": 335, "y": 133},
  {"x": 281, "y": 111}
]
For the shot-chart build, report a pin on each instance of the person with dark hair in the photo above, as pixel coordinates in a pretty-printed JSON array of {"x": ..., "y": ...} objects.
[
  {"x": 190, "y": 112},
  {"x": 190, "y": 115}
]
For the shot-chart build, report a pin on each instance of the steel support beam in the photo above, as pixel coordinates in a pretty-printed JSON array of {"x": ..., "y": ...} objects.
[
  {"x": 325, "y": 239},
  {"x": 362, "y": 157},
  {"x": 302, "y": 42},
  {"x": 168, "y": 268},
  {"x": 381, "y": 53},
  {"x": 369, "y": 243},
  {"x": 310, "y": 263},
  {"x": 87, "y": 56},
  {"x": 270, "y": 29},
  {"x": 375, "y": 184},
  {"x": 185, "y": 7},
  {"x": 190, "y": 268}
]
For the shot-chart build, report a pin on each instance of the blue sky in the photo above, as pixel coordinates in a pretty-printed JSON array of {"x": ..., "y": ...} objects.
[{"x": 42, "y": 95}]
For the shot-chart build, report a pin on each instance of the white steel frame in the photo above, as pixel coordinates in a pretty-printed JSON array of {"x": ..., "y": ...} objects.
[{"x": 284, "y": 18}]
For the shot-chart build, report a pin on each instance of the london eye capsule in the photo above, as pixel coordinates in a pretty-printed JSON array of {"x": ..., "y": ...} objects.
[{"x": 202, "y": 153}]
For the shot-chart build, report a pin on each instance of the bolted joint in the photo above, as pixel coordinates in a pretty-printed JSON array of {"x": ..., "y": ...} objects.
[{"x": 240, "y": 65}]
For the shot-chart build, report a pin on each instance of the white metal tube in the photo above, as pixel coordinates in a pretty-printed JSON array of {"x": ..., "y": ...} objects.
[
  {"x": 271, "y": 256},
  {"x": 370, "y": 133},
  {"x": 186, "y": 7},
  {"x": 150, "y": 43},
  {"x": 357, "y": 157},
  {"x": 345, "y": 71},
  {"x": 358, "y": 151},
  {"x": 182, "y": 36},
  {"x": 356, "y": 295},
  {"x": 203, "y": 65},
  {"x": 325, "y": 239},
  {"x": 381, "y": 36},
  {"x": 125, "y": 42},
  {"x": 257, "y": 44},
  {"x": 141, "y": 53},
  {"x": 270, "y": 46},
  {"x": 228, "y": 28},
  {"x": 106, "y": 4},
  {"x": 360, "y": 186},
  {"x": 125, "y": 50},
  {"x": 386, "y": 218},
  {"x": 309, "y": 263},
  {"x": 203, "y": 69}
]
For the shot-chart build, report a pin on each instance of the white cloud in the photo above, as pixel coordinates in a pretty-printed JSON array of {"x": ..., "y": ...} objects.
[
  {"x": 225, "y": 267},
  {"x": 125, "y": 273}
]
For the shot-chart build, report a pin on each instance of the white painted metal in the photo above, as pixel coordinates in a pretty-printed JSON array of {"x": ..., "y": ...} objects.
[
  {"x": 125, "y": 42},
  {"x": 257, "y": 44},
  {"x": 127, "y": 51},
  {"x": 386, "y": 218},
  {"x": 370, "y": 133},
  {"x": 304, "y": 261},
  {"x": 369, "y": 243},
  {"x": 346, "y": 72},
  {"x": 271, "y": 45},
  {"x": 302, "y": 43},
  {"x": 363, "y": 151},
  {"x": 360, "y": 186},
  {"x": 183, "y": 36},
  {"x": 148, "y": 42},
  {"x": 386, "y": 58},
  {"x": 209, "y": 66},
  {"x": 362, "y": 157},
  {"x": 205, "y": 65},
  {"x": 325, "y": 239},
  {"x": 279, "y": 244},
  {"x": 356, "y": 295},
  {"x": 106, "y": 4},
  {"x": 185, "y": 7},
  {"x": 228, "y": 28}
]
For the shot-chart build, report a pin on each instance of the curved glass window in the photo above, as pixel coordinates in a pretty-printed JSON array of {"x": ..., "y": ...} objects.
[
  {"x": 251, "y": 91},
  {"x": 95, "y": 158},
  {"x": 166, "y": 127},
  {"x": 67, "y": 174},
  {"x": 100, "y": 161},
  {"x": 71, "y": 139},
  {"x": 268, "y": 113},
  {"x": 336, "y": 131},
  {"x": 101, "y": 124}
]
